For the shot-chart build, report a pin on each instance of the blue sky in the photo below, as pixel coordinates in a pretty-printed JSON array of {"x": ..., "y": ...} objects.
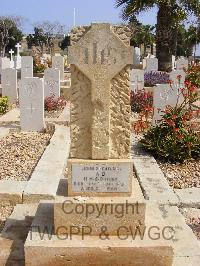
[{"x": 87, "y": 11}]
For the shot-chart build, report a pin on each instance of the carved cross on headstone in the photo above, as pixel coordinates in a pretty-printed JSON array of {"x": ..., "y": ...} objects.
[{"x": 100, "y": 55}]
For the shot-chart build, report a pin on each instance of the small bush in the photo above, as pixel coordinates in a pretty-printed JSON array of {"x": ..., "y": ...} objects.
[
  {"x": 37, "y": 66},
  {"x": 54, "y": 104},
  {"x": 3, "y": 105},
  {"x": 173, "y": 138},
  {"x": 140, "y": 100},
  {"x": 155, "y": 77},
  {"x": 193, "y": 75}
]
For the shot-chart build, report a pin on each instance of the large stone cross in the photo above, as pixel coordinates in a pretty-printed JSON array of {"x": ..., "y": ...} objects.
[{"x": 100, "y": 55}]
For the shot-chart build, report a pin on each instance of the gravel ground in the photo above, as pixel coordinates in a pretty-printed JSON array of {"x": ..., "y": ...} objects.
[
  {"x": 194, "y": 223},
  {"x": 185, "y": 175},
  {"x": 19, "y": 154},
  {"x": 5, "y": 212}
]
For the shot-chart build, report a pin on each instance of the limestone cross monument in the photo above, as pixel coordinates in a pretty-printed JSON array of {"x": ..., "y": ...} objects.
[{"x": 100, "y": 115}]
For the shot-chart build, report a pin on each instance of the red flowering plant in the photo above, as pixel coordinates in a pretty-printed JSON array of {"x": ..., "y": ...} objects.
[
  {"x": 193, "y": 74},
  {"x": 142, "y": 103},
  {"x": 52, "y": 103},
  {"x": 173, "y": 138}
]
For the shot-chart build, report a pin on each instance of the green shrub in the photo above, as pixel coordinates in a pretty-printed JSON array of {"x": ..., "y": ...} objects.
[
  {"x": 3, "y": 105},
  {"x": 193, "y": 75},
  {"x": 173, "y": 138}
]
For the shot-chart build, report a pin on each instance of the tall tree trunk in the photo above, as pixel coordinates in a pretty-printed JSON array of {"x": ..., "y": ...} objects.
[
  {"x": 164, "y": 38},
  {"x": 152, "y": 50},
  {"x": 174, "y": 40}
]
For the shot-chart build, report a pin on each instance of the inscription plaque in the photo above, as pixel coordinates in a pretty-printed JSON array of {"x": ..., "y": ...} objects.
[{"x": 101, "y": 177}]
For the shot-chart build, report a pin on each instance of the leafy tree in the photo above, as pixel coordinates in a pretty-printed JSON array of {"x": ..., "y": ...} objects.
[
  {"x": 144, "y": 35},
  {"x": 187, "y": 40},
  {"x": 10, "y": 34},
  {"x": 170, "y": 13},
  {"x": 37, "y": 39},
  {"x": 65, "y": 42},
  {"x": 44, "y": 34}
]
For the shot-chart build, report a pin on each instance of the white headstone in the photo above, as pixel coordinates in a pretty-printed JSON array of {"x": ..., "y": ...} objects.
[
  {"x": 27, "y": 67},
  {"x": 182, "y": 63},
  {"x": 150, "y": 64},
  {"x": 12, "y": 63},
  {"x": 58, "y": 63},
  {"x": 18, "y": 57},
  {"x": 52, "y": 82},
  {"x": 164, "y": 95},
  {"x": 173, "y": 62},
  {"x": 9, "y": 84},
  {"x": 137, "y": 79},
  {"x": 4, "y": 63},
  {"x": 178, "y": 77},
  {"x": 136, "y": 57},
  {"x": 31, "y": 100}
]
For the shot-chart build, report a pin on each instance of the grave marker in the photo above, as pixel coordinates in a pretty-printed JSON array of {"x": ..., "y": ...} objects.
[
  {"x": 182, "y": 63},
  {"x": 137, "y": 79},
  {"x": 150, "y": 64},
  {"x": 52, "y": 82},
  {"x": 164, "y": 95},
  {"x": 100, "y": 62},
  {"x": 9, "y": 84},
  {"x": 26, "y": 67},
  {"x": 4, "y": 63},
  {"x": 31, "y": 100},
  {"x": 58, "y": 63},
  {"x": 136, "y": 57}
]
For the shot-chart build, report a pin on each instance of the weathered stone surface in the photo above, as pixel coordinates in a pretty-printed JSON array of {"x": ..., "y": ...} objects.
[
  {"x": 16, "y": 230},
  {"x": 97, "y": 212},
  {"x": 9, "y": 84},
  {"x": 189, "y": 197},
  {"x": 52, "y": 83},
  {"x": 11, "y": 191},
  {"x": 26, "y": 67},
  {"x": 31, "y": 99},
  {"x": 49, "y": 170},
  {"x": 100, "y": 81},
  {"x": 101, "y": 181},
  {"x": 91, "y": 250},
  {"x": 58, "y": 63},
  {"x": 153, "y": 182}
]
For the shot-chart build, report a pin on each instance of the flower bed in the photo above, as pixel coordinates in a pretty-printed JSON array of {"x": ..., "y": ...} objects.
[{"x": 155, "y": 77}]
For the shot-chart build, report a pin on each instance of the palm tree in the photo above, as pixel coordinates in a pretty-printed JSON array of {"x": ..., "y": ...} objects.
[
  {"x": 169, "y": 13},
  {"x": 144, "y": 35},
  {"x": 192, "y": 38}
]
